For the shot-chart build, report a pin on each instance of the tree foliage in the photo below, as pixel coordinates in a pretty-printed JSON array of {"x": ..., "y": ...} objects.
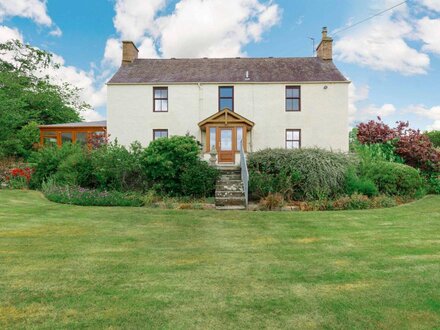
[
  {"x": 414, "y": 147},
  {"x": 27, "y": 95}
]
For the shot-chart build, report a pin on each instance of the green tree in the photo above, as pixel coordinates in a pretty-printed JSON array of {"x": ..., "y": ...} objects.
[{"x": 28, "y": 97}]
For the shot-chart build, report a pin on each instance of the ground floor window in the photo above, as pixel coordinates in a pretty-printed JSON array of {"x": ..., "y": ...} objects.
[
  {"x": 293, "y": 138},
  {"x": 160, "y": 133},
  {"x": 60, "y": 136}
]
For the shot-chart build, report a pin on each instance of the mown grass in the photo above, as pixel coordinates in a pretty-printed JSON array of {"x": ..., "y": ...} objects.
[{"x": 89, "y": 267}]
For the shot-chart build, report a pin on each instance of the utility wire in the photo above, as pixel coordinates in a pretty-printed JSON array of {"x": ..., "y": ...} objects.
[{"x": 367, "y": 19}]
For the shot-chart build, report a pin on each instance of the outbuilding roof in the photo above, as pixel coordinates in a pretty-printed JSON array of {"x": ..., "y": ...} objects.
[
  {"x": 228, "y": 70},
  {"x": 101, "y": 123}
]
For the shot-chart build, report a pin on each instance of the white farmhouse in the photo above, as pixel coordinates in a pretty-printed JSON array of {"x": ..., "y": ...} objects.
[{"x": 262, "y": 102}]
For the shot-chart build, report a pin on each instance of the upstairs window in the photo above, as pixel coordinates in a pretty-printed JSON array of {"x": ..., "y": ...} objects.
[
  {"x": 160, "y": 133},
  {"x": 293, "y": 138},
  {"x": 226, "y": 98},
  {"x": 293, "y": 98},
  {"x": 160, "y": 99}
]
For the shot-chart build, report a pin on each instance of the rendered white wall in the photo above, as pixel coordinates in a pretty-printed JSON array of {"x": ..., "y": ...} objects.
[{"x": 323, "y": 119}]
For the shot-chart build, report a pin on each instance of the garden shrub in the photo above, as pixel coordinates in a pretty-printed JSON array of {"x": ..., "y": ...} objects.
[
  {"x": 119, "y": 168},
  {"x": 393, "y": 178},
  {"x": 18, "y": 178},
  {"x": 89, "y": 197},
  {"x": 383, "y": 201},
  {"x": 434, "y": 137},
  {"x": 46, "y": 161},
  {"x": 76, "y": 170},
  {"x": 308, "y": 173},
  {"x": 263, "y": 184},
  {"x": 165, "y": 160},
  {"x": 271, "y": 202},
  {"x": 353, "y": 202},
  {"x": 199, "y": 179},
  {"x": 355, "y": 184}
]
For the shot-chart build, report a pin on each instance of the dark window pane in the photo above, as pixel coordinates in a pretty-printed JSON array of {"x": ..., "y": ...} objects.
[
  {"x": 225, "y": 103},
  {"x": 81, "y": 138},
  {"x": 66, "y": 137},
  {"x": 289, "y": 104},
  {"x": 50, "y": 141},
  {"x": 226, "y": 91}
]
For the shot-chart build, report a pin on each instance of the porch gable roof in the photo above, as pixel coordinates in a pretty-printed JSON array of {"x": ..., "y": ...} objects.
[{"x": 224, "y": 117}]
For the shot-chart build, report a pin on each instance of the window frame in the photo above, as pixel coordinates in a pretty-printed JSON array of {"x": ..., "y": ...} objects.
[
  {"x": 159, "y": 130},
  {"x": 160, "y": 98},
  {"x": 299, "y": 140},
  {"x": 293, "y": 98},
  {"x": 227, "y": 98}
]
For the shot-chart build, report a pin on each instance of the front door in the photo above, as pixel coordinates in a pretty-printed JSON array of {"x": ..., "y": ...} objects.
[{"x": 225, "y": 146}]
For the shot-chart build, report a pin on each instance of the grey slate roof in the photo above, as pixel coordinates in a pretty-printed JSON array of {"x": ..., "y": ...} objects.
[
  {"x": 101, "y": 123},
  {"x": 227, "y": 70}
]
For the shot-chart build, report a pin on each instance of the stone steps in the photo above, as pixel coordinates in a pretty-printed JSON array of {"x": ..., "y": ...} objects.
[{"x": 229, "y": 191}]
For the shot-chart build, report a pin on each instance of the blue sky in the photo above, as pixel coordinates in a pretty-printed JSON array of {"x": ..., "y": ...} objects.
[{"x": 393, "y": 60}]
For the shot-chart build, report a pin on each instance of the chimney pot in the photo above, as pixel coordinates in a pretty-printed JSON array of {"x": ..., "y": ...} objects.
[
  {"x": 129, "y": 52},
  {"x": 325, "y": 47}
]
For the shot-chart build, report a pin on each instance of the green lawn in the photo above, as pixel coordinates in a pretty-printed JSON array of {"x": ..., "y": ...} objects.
[{"x": 76, "y": 267}]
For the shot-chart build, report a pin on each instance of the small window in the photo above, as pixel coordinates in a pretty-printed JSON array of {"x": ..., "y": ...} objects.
[
  {"x": 81, "y": 138},
  {"x": 239, "y": 137},
  {"x": 212, "y": 137},
  {"x": 293, "y": 98},
  {"x": 293, "y": 138},
  {"x": 226, "y": 98},
  {"x": 160, "y": 99},
  {"x": 66, "y": 137},
  {"x": 160, "y": 133}
]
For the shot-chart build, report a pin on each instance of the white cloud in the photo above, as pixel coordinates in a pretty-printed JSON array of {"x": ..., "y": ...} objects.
[
  {"x": 382, "y": 45},
  {"x": 136, "y": 17},
  {"x": 432, "y": 113},
  {"x": 428, "y": 30},
  {"x": 431, "y": 4},
  {"x": 7, "y": 33},
  {"x": 196, "y": 28},
  {"x": 356, "y": 95},
  {"x": 33, "y": 9},
  {"x": 372, "y": 111},
  {"x": 56, "y": 32},
  {"x": 215, "y": 28}
]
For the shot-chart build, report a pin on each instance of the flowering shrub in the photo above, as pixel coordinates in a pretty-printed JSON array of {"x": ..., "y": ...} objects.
[
  {"x": 415, "y": 148},
  {"x": 90, "y": 197},
  {"x": 18, "y": 178}
]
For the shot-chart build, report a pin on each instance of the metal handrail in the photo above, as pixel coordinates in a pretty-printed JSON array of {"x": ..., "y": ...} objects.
[{"x": 244, "y": 173}]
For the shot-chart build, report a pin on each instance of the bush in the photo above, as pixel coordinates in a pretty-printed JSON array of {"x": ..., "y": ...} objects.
[
  {"x": 89, "y": 197},
  {"x": 46, "y": 161},
  {"x": 354, "y": 184},
  {"x": 393, "y": 178},
  {"x": 271, "y": 202},
  {"x": 199, "y": 179},
  {"x": 434, "y": 137},
  {"x": 119, "y": 168},
  {"x": 433, "y": 184},
  {"x": 263, "y": 184},
  {"x": 353, "y": 202},
  {"x": 303, "y": 173},
  {"x": 383, "y": 201},
  {"x": 165, "y": 160}
]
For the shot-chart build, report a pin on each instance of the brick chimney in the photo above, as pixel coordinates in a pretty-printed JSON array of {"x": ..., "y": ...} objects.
[
  {"x": 129, "y": 52},
  {"x": 325, "y": 47}
]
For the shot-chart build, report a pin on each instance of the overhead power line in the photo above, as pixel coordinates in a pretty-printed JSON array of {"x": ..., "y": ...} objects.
[{"x": 371, "y": 17}]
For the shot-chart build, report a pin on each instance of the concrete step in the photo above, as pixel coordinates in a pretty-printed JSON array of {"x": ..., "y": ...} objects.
[
  {"x": 229, "y": 187},
  {"x": 230, "y": 201},
  {"x": 230, "y": 176},
  {"x": 233, "y": 207},
  {"x": 229, "y": 193}
]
